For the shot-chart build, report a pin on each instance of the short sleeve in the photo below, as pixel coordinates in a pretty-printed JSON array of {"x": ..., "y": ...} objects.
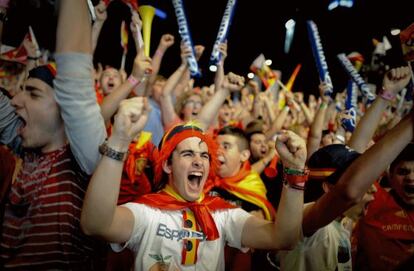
[{"x": 233, "y": 228}]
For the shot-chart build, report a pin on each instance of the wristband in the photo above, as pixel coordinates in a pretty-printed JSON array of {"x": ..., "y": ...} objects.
[
  {"x": 323, "y": 105},
  {"x": 104, "y": 149},
  {"x": 387, "y": 95},
  {"x": 159, "y": 53},
  {"x": 294, "y": 178},
  {"x": 134, "y": 81}
]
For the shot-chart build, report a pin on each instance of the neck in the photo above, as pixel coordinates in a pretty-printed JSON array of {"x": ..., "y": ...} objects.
[{"x": 59, "y": 140}]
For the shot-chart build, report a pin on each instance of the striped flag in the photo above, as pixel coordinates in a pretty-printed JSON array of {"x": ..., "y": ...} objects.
[{"x": 292, "y": 78}]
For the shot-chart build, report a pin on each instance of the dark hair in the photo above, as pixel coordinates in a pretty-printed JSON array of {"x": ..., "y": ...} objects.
[
  {"x": 45, "y": 73},
  {"x": 407, "y": 154},
  {"x": 254, "y": 127},
  {"x": 242, "y": 141}
]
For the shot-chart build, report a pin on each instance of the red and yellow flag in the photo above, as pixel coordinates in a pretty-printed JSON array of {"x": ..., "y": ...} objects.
[{"x": 292, "y": 78}]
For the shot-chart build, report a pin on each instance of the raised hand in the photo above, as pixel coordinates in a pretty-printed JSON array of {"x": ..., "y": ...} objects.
[
  {"x": 291, "y": 149},
  {"x": 142, "y": 65},
  {"x": 130, "y": 119},
  {"x": 396, "y": 79},
  {"x": 223, "y": 51},
  {"x": 135, "y": 22},
  {"x": 324, "y": 93},
  {"x": 198, "y": 51},
  {"x": 233, "y": 82},
  {"x": 100, "y": 10},
  {"x": 185, "y": 52},
  {"x": 167, "y": 40}
]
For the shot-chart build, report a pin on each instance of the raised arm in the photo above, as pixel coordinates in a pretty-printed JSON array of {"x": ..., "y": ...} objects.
[
  {"x": 167, "y": 106},
  {"x": 100, "y": 214},
  {"x": 75, "y": 93},
  {"x": 166, "y": 42},
  {"x": 358, "y": 177},
  {"x": 315, "y": 135},
  {"x": 111, "y": 102},
  {"x": 285, "y": 231},
  {"x": 185, "y": 80},
  {"x": 394, "y": 81},
  {"x": 232, "y": 82}
]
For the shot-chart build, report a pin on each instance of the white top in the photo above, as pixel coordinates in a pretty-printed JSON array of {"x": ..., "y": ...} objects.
[
  {"x": 327, "y": 249},
  {"x": 157, "y": 238}
]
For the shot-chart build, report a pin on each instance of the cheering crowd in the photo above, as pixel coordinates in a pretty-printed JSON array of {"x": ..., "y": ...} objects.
[{"x": 104, "y": 170}]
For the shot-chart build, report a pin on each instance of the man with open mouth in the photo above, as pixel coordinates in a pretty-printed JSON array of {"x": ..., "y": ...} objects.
[{"x": 180, "y": 227}]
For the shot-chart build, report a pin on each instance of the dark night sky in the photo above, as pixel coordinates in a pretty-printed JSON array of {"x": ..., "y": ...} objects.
[{"x": 257, "y": 27}]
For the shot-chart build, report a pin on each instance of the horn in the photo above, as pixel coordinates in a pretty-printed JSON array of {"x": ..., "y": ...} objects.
[{"x": 147, "y": 14}]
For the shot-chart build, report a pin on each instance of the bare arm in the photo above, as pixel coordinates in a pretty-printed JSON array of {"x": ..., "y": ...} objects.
[
  {"x": 166, "y": 42},
  {"x": 111, "y": 102},
  {"x": 285, "y": 231},
  {"x": 357, "y": 178},
  {"x": 184, "y": 83},
  {"x": 168, "y": 113},
  {"x": 278, "y": 124},
  {"x": 315, "y": 135},
  {"x": 232, "y": 82},
  {"x": 394, "y": 81},
  {"x": 100, "y": 214}
]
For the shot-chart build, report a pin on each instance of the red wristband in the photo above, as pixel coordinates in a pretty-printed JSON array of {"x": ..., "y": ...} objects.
[
  {"x": 387, "y": 95},
  {"x": 295, "y": 180}
]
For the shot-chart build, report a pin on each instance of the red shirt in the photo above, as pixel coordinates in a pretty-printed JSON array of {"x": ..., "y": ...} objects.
[
  {"x": 385, "y": 235},
  {"x": 41, "y": 228}
]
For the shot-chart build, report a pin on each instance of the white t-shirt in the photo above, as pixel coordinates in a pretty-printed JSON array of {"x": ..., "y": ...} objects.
[
  {"x": 327, "y": 249},
  {"x": 157, "y": 242}
]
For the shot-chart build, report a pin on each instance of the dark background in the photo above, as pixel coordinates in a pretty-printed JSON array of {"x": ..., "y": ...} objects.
[{"x": 257, "y": 27}]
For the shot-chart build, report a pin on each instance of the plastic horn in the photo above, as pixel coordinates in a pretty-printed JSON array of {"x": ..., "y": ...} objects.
[
  {"x": 350, "y": 107},
  {"x": 185, "y": 34},
  {"x": 319, "y": 55},
  {"x": 223, "y": 31},
  {"x": 147, "y": 14},
  {"x": 271, "y": 170},
  {"x": 352, "y": 72}
]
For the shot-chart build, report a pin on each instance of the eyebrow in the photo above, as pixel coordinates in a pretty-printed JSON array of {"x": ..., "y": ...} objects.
[
  {"x": 30, "y": 88},
  {"x": 193, "y": 152}
]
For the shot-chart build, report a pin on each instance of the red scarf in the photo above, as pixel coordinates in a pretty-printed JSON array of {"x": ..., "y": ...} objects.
[
  {"x": 168, "y": 199},
  {"x": 247, "y": 185}
]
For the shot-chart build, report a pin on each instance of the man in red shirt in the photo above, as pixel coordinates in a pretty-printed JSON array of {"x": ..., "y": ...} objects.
[{"x": 385, "y": 235}]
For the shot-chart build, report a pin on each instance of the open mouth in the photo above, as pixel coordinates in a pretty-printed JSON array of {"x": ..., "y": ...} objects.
[
  {"x": 194, "y": 179},
  {"x": 195, "y": 114},
  {"x": 22, "y": 125},
  {"x": 409, "y": 189},
  {"x": 111, "y": 85}
]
